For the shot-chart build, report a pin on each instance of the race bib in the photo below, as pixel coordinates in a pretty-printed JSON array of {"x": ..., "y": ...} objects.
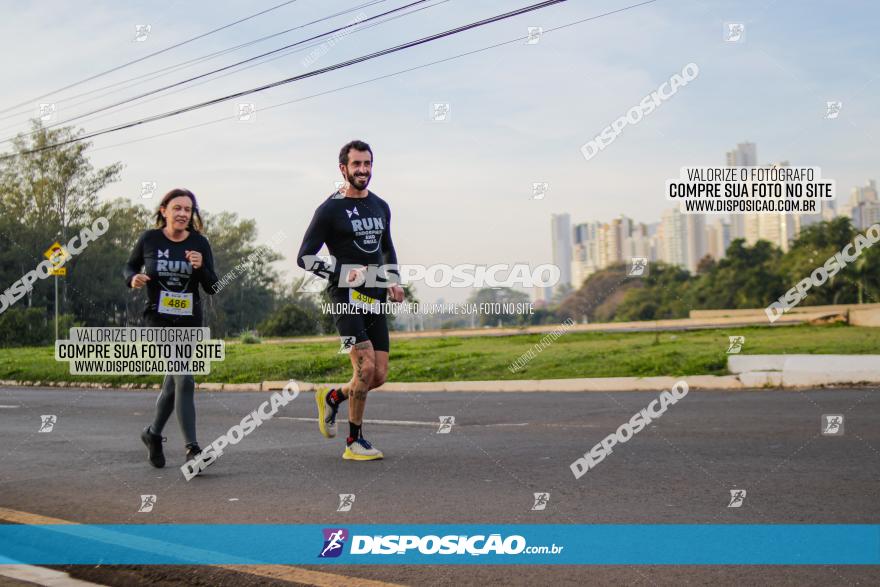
[
  {"x": 176, "y": 304},
  {"x": 364, "y": 301}
]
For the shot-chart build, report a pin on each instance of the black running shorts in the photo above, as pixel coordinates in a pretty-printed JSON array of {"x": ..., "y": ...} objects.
[{"x": 361, "y": 325}]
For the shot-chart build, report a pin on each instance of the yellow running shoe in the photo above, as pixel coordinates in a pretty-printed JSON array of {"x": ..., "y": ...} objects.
[
  {"x": 361, "y": 450},
  {"x": 326, "y": 413}
]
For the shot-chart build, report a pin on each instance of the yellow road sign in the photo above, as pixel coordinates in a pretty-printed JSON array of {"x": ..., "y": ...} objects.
[
  {"x": 57, "y": 254},
  {"x": 58, "y": 271}
]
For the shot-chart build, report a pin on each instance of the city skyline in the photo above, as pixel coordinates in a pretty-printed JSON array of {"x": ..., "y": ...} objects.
[{"x": 684, "y": 239}]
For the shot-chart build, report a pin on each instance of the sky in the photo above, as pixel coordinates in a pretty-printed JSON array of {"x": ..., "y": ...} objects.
[{"x": 461, "y": 190}]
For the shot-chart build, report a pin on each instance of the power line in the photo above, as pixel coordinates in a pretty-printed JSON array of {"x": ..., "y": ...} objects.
[
  {"x": 159, "y": 72},
  {"x": 145, "y": 57},
  {"x": 250, "y": 59},
  {"x": 379, "y": 78},
  {"x": 276, "y": 57},
  {"x": 313, "y": 73},
  {"x": 334, "y": 67}
]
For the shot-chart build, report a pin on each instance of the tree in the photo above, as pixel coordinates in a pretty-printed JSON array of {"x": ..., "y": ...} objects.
[
  {"x": 247, "y": 298},
  {"x": 598, "y": 296},
  {"x": 665, "y": 294},
  {"x": 47, "y": 196},
  {"x": 813, "y": 246},
  {"x": 98, "y": 294},
  {"x": 291, "y": 319},
  {"x": 706, "y": 264},
  {"x": 22, "y": 326},
  {"x": 497, "y": 315},
  {"x": 297, "y": 312},
  {"x": 560, "y": 292},
  {"x": 747, "y": 277}
]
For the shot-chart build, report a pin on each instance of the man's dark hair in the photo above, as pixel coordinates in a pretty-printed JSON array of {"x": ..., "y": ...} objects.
[{"x": 357, "y": 146}]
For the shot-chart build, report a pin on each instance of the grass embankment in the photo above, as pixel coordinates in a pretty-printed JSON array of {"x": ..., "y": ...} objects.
[{"x": 487, "y": 358}]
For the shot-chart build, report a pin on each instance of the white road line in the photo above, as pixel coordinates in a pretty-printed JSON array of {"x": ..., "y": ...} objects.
[
  {"x": 507, "y": 424},
  {"x": 386, "y": 422},
  {"x": 409, "y": 422},
  {"x": 8, "y": 407}
]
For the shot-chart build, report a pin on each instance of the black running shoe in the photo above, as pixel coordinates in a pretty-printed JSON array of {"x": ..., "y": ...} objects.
[
  {"x": 154, "y": 447},
  {"x": 192, "y": 451}
]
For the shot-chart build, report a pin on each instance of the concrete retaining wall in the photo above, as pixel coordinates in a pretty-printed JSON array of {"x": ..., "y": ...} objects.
[
  {"x": 807, "y": 370},
  {"x": 859, "y": 314}
]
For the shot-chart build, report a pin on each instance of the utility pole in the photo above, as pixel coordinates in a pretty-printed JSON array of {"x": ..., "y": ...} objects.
[
  {"x": 58, "y": 256},
  {"x": 56, "y": 307}
]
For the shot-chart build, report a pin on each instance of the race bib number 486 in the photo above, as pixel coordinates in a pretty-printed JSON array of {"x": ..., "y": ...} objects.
[{"x": 176, "y": 304}]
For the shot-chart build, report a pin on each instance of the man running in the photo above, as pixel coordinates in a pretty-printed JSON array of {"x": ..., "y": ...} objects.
[{"x": 355, "y": 224}]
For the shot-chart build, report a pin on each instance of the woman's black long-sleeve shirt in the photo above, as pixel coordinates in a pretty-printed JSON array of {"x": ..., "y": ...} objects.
[{"x": 164, "y": 262}]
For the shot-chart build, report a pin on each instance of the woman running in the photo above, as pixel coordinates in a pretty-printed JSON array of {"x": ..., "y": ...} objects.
[{"x": 172, "y": 260}]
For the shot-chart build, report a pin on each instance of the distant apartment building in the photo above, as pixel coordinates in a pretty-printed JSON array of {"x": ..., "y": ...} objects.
[
  {"x": 560, "y": 229},
  {"x": 863, "y": 207},
  {"x": 598, "y": 245},
  {"x": 585, "y": 254},
  {"x": 778, "y": 228},
  {"x": 717, "y": 238},
  {"x": 695, "y": 234},
  {"x": 685, "y": 238},
  {"x": 744, "y": 155},
  {"x": 675, "y": 241},
  {"x": 638, "y": 243}
]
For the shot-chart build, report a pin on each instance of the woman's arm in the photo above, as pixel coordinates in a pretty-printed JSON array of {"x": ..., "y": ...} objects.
[
  {"x": 207, "y": 274},
  {"x": 135, "y": 260}
]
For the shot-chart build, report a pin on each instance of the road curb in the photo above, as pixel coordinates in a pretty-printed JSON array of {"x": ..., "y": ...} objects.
[{"x": 745, "y": 381}]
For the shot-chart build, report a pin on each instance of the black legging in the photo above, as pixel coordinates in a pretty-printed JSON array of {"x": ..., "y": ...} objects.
[{"x": 177, "y": 390}]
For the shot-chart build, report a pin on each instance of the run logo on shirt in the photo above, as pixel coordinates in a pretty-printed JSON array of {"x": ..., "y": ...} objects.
[
  {"x": 173, "y": 274},
  {"x": 367, "y": 232}
]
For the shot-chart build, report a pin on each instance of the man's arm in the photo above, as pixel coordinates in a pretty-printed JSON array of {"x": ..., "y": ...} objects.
[
  {"x": 314, "y": 238},
  {"x": 388, "y": 252},
  {"x": 395, "y": 291}
]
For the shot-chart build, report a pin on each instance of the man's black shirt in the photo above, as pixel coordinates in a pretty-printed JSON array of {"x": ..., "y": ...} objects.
[{"x": 357, "y": 231}]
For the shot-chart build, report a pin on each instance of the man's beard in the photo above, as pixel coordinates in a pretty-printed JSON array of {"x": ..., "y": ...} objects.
[{"x": 356, "y": 182}]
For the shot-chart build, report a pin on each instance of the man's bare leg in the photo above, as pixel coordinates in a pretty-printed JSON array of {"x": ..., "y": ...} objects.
[
  {"x": 363, "y": 362},
  {"x": 380, "y": 372}
]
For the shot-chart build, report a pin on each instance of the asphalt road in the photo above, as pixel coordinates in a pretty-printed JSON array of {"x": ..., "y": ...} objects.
[{"x": 503, "y": 448}]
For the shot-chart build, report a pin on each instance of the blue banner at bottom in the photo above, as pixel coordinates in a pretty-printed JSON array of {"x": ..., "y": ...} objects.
[{"x": 665, "y": 544}]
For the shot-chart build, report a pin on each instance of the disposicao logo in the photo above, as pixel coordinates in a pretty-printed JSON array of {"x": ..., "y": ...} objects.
[{"x": 334, "y": 540}]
